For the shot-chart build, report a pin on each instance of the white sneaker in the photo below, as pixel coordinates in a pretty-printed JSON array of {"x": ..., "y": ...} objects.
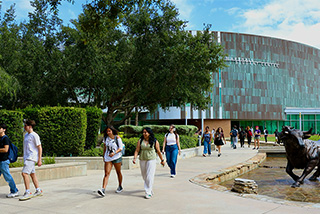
[
  {"x": 172, "y": 176},
  {"x": 26, "y": 196},
  {"x": 12, "y": 195},
  {"x": 148, "y": 196},
  {"x": 38, "y": 193},
  {"x": 101, "y": 192}
]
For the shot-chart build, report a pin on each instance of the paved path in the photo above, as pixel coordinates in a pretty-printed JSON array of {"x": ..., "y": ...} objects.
[{"x": 178, "y": 195}]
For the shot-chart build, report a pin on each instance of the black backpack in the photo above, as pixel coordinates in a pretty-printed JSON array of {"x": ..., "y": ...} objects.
[{"x": 234, "y": 133}]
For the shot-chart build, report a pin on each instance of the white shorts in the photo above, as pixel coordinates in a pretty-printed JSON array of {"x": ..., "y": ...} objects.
[{"x": 29, "y": 167}]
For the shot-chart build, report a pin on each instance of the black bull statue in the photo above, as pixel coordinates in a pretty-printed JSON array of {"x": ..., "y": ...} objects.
[{"x": 302, "y": 153}]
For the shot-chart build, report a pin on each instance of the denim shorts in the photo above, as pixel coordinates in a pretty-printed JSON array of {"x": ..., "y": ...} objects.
[
  {"x": 257, "y": 138},
  {"x": 119, "y": 160}
]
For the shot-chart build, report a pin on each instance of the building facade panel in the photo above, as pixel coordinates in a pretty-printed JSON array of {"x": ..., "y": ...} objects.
[{"x": 264, "y": 76}]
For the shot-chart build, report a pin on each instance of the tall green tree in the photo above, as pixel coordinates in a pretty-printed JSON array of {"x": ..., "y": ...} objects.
[
  {"x": 151, "y": 60},
  {"x": 9, "y": 43}
]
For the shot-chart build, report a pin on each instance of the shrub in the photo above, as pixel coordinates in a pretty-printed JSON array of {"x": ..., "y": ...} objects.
[
  {"x": 93, "y": 152},
  {"x": 137, "y": 130},
  {"x": 186, "y": 129},
  {"x": 48, "y": 160},
  {"x": 93, "y": 126},
  {"x": 18, "y": 163},
  {"x": 130, "y": 130},
  {"x": 32, "y": 113},
  {"x": 188, "y": 141},
  {"x": 130, "y": 144},
  {"x": 14, "y": 121},
  {"x": 185, "y": 142},
  {"x": 158, "y": 128},
  {"x": 62, "y": 130}
]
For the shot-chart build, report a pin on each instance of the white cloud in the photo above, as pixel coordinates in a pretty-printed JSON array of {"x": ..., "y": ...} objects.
[
  {"x": 233, "y": 11},
  {"x": 297, "y": 20},
  {"x": 22, "y": 7},
  {"x": 185, "y": 8}
]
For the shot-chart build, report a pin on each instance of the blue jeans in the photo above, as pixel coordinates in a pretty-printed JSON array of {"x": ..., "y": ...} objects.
[
  {"x": 234, "y": 141},
  {"x": 206, "y": 147},
  {"x": 4, "y": 170},
  {"x": 172, "y": 156}
]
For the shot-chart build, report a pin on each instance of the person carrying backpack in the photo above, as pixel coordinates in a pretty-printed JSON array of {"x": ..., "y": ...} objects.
[
  {"x": 112, "y": 156},
  {"x": 249, "y": 135},
  {"x": 234, "y": 137},
  {"x": 242, "y": 135},
  {"x": 4, "y": 161},
  {"x": 171, "y": 145}
]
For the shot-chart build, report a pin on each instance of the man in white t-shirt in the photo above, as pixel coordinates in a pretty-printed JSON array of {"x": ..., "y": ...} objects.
[{"x": 32, "y": 153}]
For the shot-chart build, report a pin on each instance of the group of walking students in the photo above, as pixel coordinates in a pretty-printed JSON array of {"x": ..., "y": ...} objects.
[
  {"x": 217, "y": 137},
  {"x": 32, "y": 153},
  {"x": 147, "y": 148}
]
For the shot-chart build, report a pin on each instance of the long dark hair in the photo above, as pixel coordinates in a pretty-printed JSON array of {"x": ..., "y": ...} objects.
[
  {"x": 152, "y": 139},
  {"x": 114, "y": 131}
]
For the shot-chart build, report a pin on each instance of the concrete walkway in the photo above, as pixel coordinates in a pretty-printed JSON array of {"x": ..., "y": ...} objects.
[{"x": 178, "y": 195}]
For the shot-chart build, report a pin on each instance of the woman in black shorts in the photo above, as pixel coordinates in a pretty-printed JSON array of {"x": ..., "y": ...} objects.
[{"x": 218, "y": 140}]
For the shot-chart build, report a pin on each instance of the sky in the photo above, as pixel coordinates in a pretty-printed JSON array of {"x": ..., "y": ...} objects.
[{"x": 294, "y": 20}]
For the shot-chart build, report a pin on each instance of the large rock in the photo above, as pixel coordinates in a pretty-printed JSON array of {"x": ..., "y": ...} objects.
[{"x": 245, "y": 186}]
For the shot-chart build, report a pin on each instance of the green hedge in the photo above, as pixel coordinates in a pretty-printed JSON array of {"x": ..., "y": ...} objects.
[
  {"x": 31, "y": 113},
  {"x": 62, "y": 130},
  {"x": 14, "y": 121},
  {"x": 131, "y": 130},
  {"x": 185, "y": 142},
  {"x": 93, "y": 126}
]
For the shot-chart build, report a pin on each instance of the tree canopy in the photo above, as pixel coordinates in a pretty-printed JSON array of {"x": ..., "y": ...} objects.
[{"x": 137, "y": 56}]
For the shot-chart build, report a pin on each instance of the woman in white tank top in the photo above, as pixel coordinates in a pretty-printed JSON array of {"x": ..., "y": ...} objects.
[{"x": 171, "y": 146}]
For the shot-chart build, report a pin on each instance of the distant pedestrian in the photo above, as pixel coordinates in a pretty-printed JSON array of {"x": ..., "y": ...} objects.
[
  {"x": 199, "y": 132},
  {"x": 171, "y": 145},
  {"x": 206, "y": 140},
  {"x": 257, "y": 134},
  {"x": 234, "y": 137},
  {"x": 276, "y": 135},
  {"x": 249, "y": 135},
  {"x": 213, "y": 132},
  {"x": 251, "y": 129},
  {"x": 4, "y": 161},
  {"x": 32, "y": 154},
  {"x": 112, "y": 156},
  {"x": 242, "y": 135},
  {"x": 148, "y": 147},
  {"x": 265, "y": 132},
  {"x": 218, "y": 140}
]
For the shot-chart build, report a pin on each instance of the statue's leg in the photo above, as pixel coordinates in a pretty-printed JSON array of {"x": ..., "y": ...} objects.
[
  {"x": 310, "y": 166},
  {"x": 289, "y": 169},
  {"x": 316, "y": 174}
]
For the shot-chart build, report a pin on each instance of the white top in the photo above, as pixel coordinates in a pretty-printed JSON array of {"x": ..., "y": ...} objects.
[
  {"x": 111, "y": 146},
  {"x": 30, "y": 146},
  {"x": 171, "y": 139}
]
